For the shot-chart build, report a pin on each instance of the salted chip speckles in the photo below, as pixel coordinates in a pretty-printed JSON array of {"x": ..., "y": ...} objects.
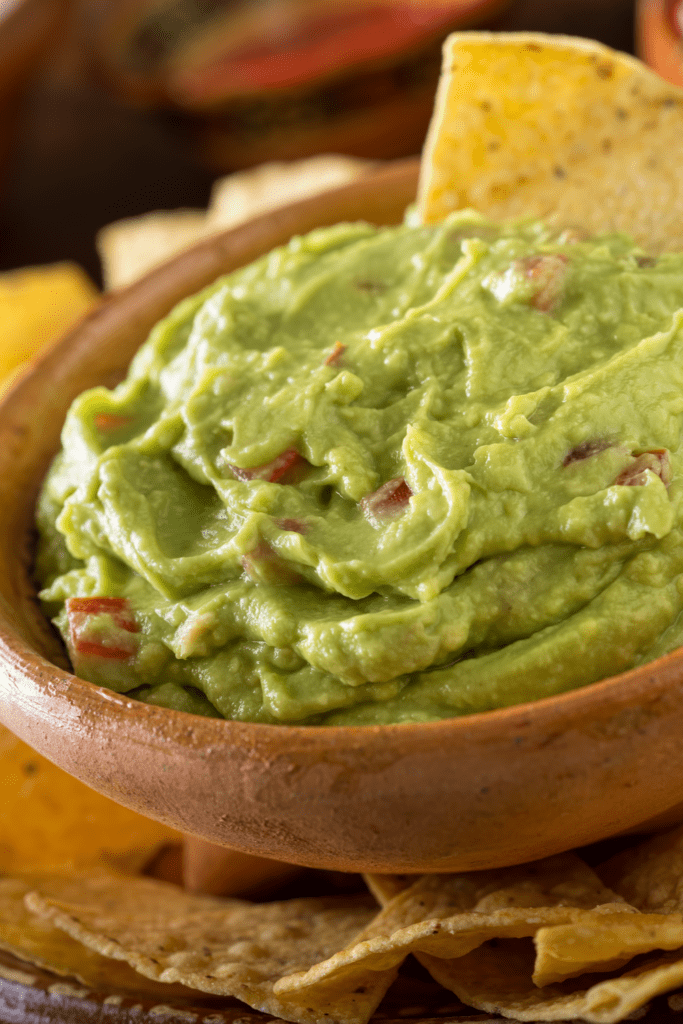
[
  {"x": 224, "y": 947},
  {"x": 561, "y": 881},
  {"x": 533, "y": 125}
]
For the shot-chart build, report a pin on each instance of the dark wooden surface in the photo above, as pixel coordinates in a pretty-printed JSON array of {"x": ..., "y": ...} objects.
[{"x": 82, "y": 159}]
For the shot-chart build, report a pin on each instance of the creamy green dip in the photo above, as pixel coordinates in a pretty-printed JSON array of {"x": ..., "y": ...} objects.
[{"x": 382, "y": 476}]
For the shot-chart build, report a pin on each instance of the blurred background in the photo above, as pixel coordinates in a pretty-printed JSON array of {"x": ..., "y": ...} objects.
[{"x": 111, "y": 108}]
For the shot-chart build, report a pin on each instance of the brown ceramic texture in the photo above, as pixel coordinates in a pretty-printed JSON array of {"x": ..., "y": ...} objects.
[{"x": 488, "y": 790}]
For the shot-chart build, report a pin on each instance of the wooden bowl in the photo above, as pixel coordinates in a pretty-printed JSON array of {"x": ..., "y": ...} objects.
[{"x": 477, "y": 792}]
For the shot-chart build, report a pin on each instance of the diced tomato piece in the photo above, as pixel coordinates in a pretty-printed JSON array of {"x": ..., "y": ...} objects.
[
  {"x": 107, "y": 422},
  {"x": 657, "y": 461},
  {"x": 115, "y": 639},
  {"x": 371, "y": 287},
  {"x": 117, "y": 607},
  {"x": 291, "y": 525},
  {"x": 288, "y": 465},
  {"x": 585, "y": 450},
  {"x": 388, "y": 502},
  {"x": 547, "y": 271},
  {"x": 95, "y": 649},
  {"x": 263, "y": 565},
  {"x": 335, "y": 355}
]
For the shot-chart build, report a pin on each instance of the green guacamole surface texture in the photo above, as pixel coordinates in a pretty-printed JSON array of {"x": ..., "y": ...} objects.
[{"x": 382, "y": 476}]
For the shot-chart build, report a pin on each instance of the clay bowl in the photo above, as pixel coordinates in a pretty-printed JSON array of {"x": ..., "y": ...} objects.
[{"x": 478, "y": 792}]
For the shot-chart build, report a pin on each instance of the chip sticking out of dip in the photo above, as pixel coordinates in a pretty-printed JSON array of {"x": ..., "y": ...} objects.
[
  {"x": 390, "y": 475},
  {"x": 532, "y": 125}
]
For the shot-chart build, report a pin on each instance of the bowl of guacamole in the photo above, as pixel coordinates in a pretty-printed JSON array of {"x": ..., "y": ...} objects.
[
  {"x": 360, "y": 530},
  {"x": 346, "y": 784}
]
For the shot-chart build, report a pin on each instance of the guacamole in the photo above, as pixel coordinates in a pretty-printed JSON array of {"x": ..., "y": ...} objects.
[{"x": 382, "y": 476}]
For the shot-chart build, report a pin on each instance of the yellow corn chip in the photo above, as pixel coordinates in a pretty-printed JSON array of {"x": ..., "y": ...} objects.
[
  {"x": 48, "y": 819},
  {"x": 225, "y": 947},
  {"x": 385, "y": 887},
  {"x": 247, "y": 194},
  {"x": 130, "y": 248},
  {"x": 530, "y": 125},
  {"x": 38, "y": 304},
  {"x": 447, "y": 916},
  {"x": 508, "y": 976},
  {"x": 600, "y": 942},
  {"x": 36, "y": 941},
  {"x": 650, "y": 874},
  {"x": 496, "y": 978}
]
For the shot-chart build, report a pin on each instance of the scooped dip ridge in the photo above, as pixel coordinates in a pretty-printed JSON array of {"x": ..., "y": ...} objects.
[{"x": 381, "y": 476}]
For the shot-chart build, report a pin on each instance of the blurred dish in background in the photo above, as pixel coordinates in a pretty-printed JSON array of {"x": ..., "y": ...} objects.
[
  {"x": 27, "y": 27},
  {"x": 659, "y": 37},
  {"x": 283, "y": 78}
]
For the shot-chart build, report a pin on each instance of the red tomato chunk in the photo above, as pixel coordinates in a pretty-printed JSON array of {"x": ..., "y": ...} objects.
[
  {"x": 657, "y": 461},
  {"x": 387, "y": 502},
  {"x": 335, "y": 355},
  {"x": 102, "y": 627},
  {"x": 547, "y": 272},
  {"x": 107, "y": 422},
  {"x": 281, "y": 466}
]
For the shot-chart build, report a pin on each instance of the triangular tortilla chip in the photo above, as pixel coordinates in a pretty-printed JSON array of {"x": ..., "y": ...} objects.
[
  {"x": 496, "y": 978},
  {"x": 650, "y": 874},
  {"x": 36, "y": 941},
  {"x": 50, "y": 820},
  {"x": 602, "y": 941},
  {"x": 447, "y": 916},
  {"x": 533, "y": 125},
  {"x": 220, "y": 946},
  {"x": 506, "y": 974}
]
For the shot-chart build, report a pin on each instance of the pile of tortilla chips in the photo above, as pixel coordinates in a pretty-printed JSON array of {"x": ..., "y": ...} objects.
[
  {"x": 542, "y": 126},
  {"x": 552, "y": 940}
]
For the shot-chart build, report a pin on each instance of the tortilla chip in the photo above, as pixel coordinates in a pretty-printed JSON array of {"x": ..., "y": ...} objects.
[
  {"x": 496, "y": 978},
  {"x": 508, "y": 976},
  {"x": 247, "y": 194},
  {"x": 649, "y": 875},
  {"x": 600, "y": 942},
  {"x": 36, "y": 941},
  {"x": 385, "y": 887},
  {"x": 225, "y": 947},
  {"x": 130, "y": 248},
  {"x": 532, "y": 125},
  {"x": 447, "y": 916},
  {"x": 48, "y": 819},
  {"x": 37, "y": 304}
]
